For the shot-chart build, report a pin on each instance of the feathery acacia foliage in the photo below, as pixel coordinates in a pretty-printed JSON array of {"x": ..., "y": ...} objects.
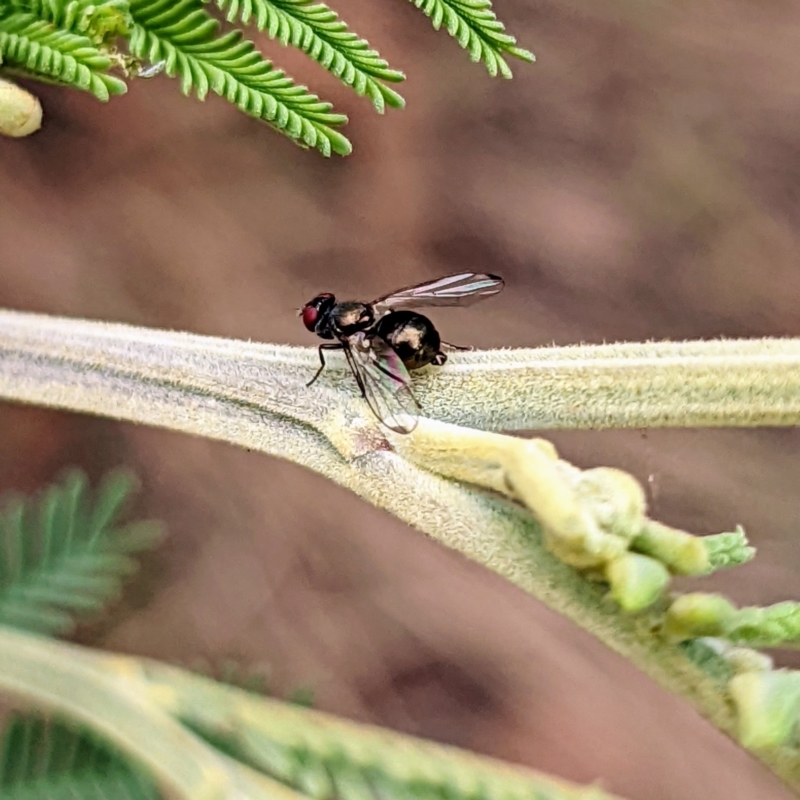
[
  {"x": 317, "y": 31},
  {"x": 62, "y": 557},
  {"x": 39, "y": 48},
  {"x": 185, "y": 37},
  {"x": 99, "y": 21},
  {"x": 43, "y": 759},
  {"x": 78, "y": 42},
  {"x": 476, "y": 28}
]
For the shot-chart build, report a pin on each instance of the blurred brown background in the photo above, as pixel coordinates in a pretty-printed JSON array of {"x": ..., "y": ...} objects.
[{"x": 642, "y": 180}]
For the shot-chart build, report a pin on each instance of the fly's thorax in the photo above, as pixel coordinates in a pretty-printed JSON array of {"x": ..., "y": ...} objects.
[
  {"x": 349, "y": 317},
  {"x": 412, "y": 336}
]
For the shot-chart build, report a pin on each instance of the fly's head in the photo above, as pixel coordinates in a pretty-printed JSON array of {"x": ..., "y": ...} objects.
[{"x": 316, "y": 315}]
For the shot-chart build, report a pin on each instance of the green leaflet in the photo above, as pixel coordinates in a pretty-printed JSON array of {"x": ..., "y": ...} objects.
[
  {"x": 41, "y": 49},
  {"x": 476, "y": 28},
  {"x": 317, "y": 30},
  {"x": 100, "y": 20},
  {"x": 43, "y": 759},
  {"x": 62, "y": 557},
  {"x": 184, "y": 36}
]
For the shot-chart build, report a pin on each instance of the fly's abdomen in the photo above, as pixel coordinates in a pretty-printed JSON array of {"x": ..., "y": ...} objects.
[{"x": 413, "y": 337}]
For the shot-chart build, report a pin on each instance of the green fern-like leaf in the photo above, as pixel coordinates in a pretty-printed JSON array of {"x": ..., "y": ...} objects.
[
  {"x": 317, "y": 31},
  {"x": 182, "y": 34},
  {"x": 61, "y": 558},
  {"x": 100, "y": 20},
  {"x": 43, "y": 759},
  {"x": 476, "y": 28},
  {"x": 40, "y": 48}
]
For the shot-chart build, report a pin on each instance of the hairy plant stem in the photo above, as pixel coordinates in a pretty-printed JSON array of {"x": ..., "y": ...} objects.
[
  {"x": 254, "y": 395},
  {"x": 748, "y": 383}
]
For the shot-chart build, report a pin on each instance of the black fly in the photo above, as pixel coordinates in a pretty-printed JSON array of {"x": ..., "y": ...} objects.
[{"x": 384, "y": 339}]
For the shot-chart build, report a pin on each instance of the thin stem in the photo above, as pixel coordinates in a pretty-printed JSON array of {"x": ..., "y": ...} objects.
[
  {"x": 151, "y": 711},
  {"x": 36, "y": 671},
  {"x": 401, "y": 759}
]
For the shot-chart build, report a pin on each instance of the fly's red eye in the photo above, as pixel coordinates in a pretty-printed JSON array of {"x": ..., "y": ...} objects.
[{"x": 310, "y": 315}]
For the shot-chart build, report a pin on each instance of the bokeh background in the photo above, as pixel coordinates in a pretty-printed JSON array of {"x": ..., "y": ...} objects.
[{"x": 641, "y": 181}]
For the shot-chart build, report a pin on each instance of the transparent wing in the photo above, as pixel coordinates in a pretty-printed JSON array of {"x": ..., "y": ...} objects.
[
  {"x": 384, "y": 382},
  {"x": 462, "y": 289}
]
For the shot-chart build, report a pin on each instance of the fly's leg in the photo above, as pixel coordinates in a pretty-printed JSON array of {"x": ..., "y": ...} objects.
[
  {"x": 354, "y": 370},
  {"x": 456, "y": 346},
  {"x": 441, "y": 356},
  {"x": 326, "y": 346}
]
